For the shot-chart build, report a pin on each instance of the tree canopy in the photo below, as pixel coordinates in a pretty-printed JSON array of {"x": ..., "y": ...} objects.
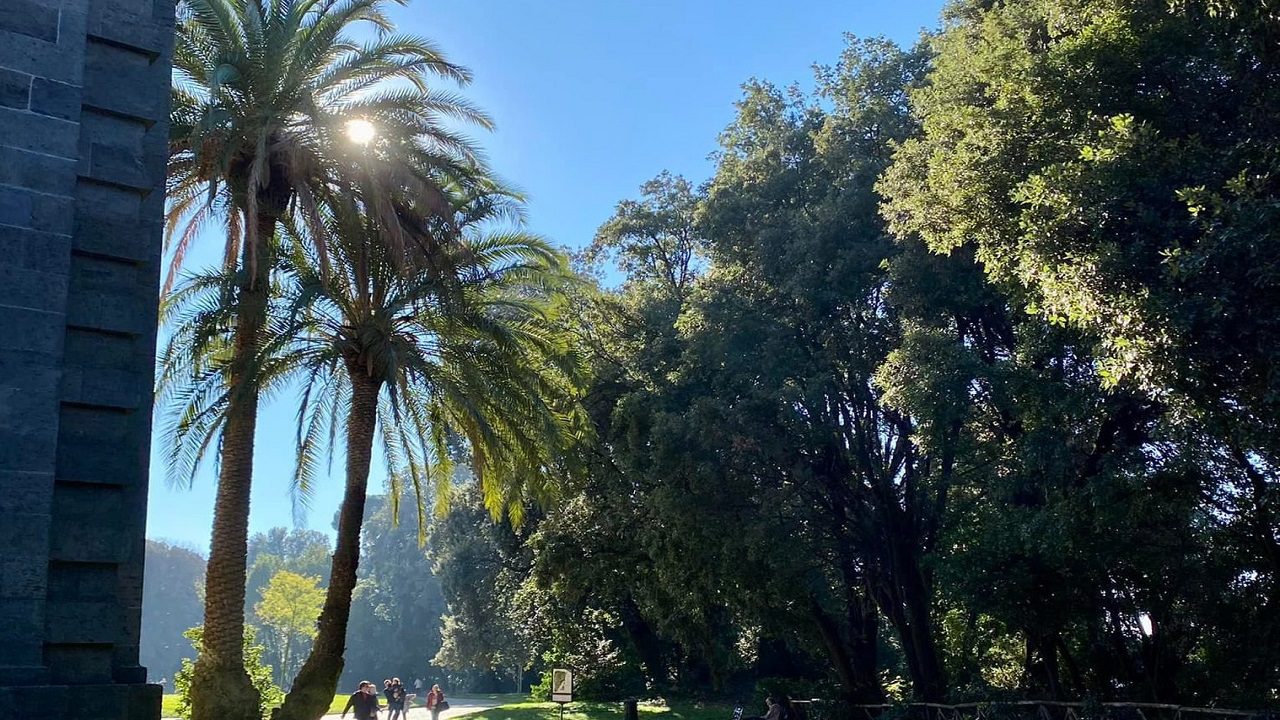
[{"x": 953, "y": 382}]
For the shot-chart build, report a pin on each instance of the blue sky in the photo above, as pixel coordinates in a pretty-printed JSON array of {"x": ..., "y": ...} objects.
[{"x": 591, "y": 98}]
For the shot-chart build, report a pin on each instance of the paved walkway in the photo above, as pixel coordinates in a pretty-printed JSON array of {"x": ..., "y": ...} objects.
[{"x": 463, "y": 706}]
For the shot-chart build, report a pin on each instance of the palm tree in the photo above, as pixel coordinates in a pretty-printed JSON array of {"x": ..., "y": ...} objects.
[
  {"x": 264, "y": 95},
  {"x": 472, "y": 360}
]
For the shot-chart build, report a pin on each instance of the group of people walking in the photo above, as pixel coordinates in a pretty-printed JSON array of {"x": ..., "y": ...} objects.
[{"x": 365, "y": 703}]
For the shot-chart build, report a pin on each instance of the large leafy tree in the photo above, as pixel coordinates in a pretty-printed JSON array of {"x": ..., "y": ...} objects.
[
  {"x": 264, "y": 94},
  {"x": 1114, "y": 163},
  {"x": 288, "y": 609},
  {"x": 481, "y": 565},
  {"x": 304, "y": 552}
]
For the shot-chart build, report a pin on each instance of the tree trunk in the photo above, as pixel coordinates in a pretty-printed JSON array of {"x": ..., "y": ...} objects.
[
  {"x": 646, "y": 642},
  {"x": 929, "y": 679},
  {"x": 220, "y": 686},
  {"x": 285, "y": 658},
  {"x": 854, "y": 666},
  {"x": 316, "y": 682}
]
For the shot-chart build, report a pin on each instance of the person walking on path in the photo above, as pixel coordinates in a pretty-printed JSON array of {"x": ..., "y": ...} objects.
[
  {"x": 395, "y": 700},
  {"x": 436, "y": 702},
  {"x": 364, "y": 701}
]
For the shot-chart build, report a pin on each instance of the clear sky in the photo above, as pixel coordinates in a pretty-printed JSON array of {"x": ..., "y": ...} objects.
[{"x": 591, "y": 98}]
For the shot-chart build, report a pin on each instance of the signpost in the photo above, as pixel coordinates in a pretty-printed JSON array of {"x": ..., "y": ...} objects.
[{"x": 561, "y": 688}]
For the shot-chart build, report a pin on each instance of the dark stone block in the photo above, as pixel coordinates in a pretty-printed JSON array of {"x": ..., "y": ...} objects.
[
  {"x": 15, "y": 89},
  {"x": 41, "y": 701},
  {"x": 52, "y": 214},
  {"x": 22, "y": 569},
  {"x": 119, "y": 165},
  {"x": 144, "y": 29},
  {"x": 105, "y": 295},
  {"x": 22, "y": 287},
  {"x": 33, "y": 19},
  {"x": 20, "y": 623},
  {"x": 32, "y": 331},
  {"x": 81, "y": 425},
  {"x": 84, "y": 664},
  {"x": 47, "y": 252},
  {"x": 34, "y": 372},
  {"x": 55, "y": 99},
  {"x": 133, "y": 674},
  {"x": 25, "y": 452},
  {"x": 15, "y": 207},
  {"x": 82, "y": 582},
  {"x": 106, "y": 387},
  {"x": 25, "y": 492},
  {"x": 22, "y": 574},
  {"x": 81, "y": 622},
  {"x": 62, "y": 60},
  {"x": 38, "y": 133},
  {"x": 122, "y": 81},
  {"x": 144, "y": 700},
  {"x": 88, "y": 349},
  {"x": 116, "y": 237},
  {"x": 96, "y": 202},
  {"x": 99, "y": 463},
  {"x": 86, "y": 525},
  {"x": 42, "y": 173},
  {"x": 41, "y": 251}
]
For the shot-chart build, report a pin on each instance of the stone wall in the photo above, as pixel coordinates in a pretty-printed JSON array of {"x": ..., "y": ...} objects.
[{"x": 83, "y": 107}]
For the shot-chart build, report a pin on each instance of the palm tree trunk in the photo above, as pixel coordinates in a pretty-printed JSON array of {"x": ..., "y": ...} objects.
[
  {"x": 220, "y": 687},
  {"x": 316, "y": 682}
]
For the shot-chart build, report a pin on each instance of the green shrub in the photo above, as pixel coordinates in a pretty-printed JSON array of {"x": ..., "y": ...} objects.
[
  {"x": 260, "y": 674},
  {"x": 541, "y": 690}
]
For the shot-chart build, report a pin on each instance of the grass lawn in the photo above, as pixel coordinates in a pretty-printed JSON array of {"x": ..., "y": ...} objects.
[
  {"x": 169, "y": 705},
  {"x": 604, "y": 711}
]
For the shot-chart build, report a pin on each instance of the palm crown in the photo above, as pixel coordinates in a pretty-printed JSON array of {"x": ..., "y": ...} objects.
[
  {"x": 471, "y": 362},
  {"x": 264, "y": 94}
]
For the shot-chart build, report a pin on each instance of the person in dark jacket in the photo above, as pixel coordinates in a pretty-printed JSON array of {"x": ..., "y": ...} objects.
[
  {"x": 364, "y": 701},
  {"x": 395, "y": 700}
]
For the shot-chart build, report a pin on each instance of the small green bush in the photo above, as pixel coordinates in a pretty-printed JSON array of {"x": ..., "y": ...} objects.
[{"x": 541, "y": 691}]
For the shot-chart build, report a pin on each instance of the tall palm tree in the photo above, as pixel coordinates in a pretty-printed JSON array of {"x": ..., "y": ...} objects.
[
  {"x": 264, "y": 94},
  {"x": 433, "y": 364},
  {"x": 429, "y": 363}
]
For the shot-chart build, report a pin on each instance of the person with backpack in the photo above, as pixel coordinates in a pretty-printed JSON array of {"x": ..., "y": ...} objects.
[{"x": 436, "y": 702}]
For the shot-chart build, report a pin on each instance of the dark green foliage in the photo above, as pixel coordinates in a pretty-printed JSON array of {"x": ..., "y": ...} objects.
[{"x": 956, "y": 381}]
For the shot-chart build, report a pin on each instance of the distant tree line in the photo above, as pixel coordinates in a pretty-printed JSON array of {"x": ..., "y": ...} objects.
[
  {"x": 957, "y": 380},
  {"x": 395, "y": 616}
]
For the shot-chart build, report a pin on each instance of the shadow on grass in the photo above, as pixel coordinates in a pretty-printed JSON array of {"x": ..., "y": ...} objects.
[{"x": 604, "y": 711}]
